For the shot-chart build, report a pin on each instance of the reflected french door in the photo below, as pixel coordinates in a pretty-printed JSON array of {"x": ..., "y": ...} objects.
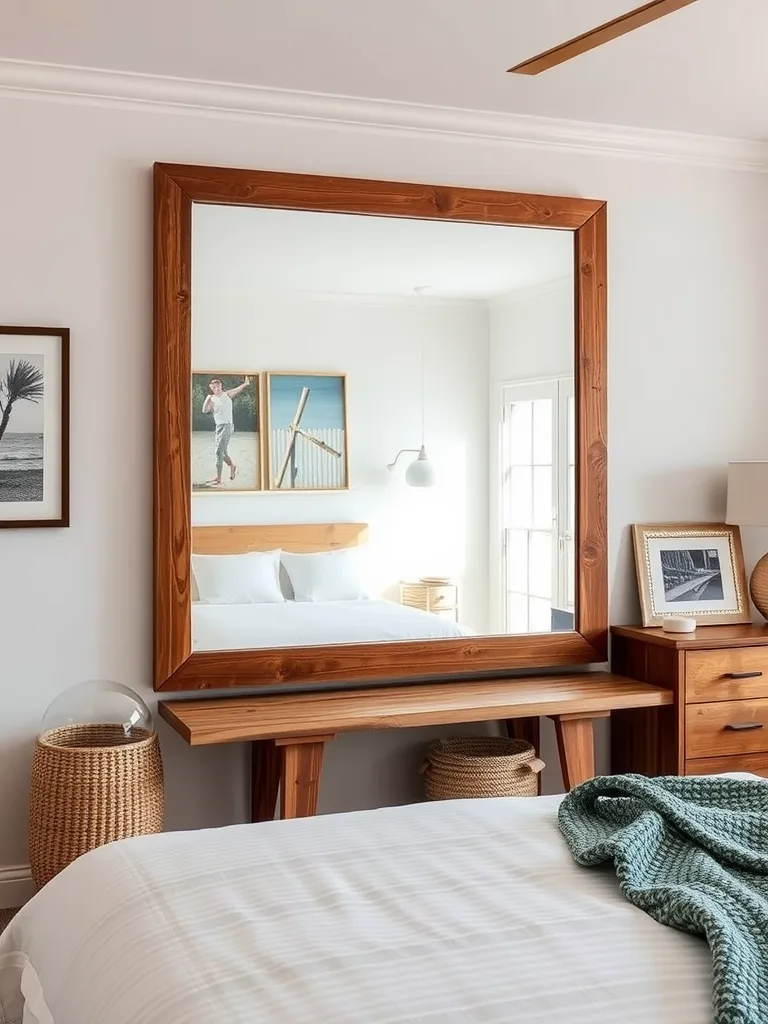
[{"x": 538, "y": 514}]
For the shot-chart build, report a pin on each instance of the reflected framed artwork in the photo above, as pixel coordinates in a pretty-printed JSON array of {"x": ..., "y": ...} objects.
[
  {"x": 226, "y": 432},
  {"x": 307, "y": 432},
  {"x": 691, "y": 569},
  {"x": 34, "y": 426}
]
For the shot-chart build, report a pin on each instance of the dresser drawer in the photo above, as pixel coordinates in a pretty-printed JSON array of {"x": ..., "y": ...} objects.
[
  {"x": 756, "y": 764},
  {"x": 726, "y": 728},
  {"x": 726, "y": 675}
]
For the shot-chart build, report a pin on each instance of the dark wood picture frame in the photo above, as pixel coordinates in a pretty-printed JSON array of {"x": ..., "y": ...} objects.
[
  {"x": 177, "y": 187},
  {"x": 62, "y": 520}
]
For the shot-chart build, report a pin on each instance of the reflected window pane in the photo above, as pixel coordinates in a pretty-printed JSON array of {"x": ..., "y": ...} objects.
[
  {"x": 517, "y": 613},
  {"x": 520, "y": 496},
  {"x": 542, "y": 432},
  {"x": 517, "y": 560},
  {"x": 540, "y": 615},
  {"x": 570, "y": 572},
  {"x": 571, "y": 517},
  {"x": 571, "y": 427},
  {"x": 520, "y": 426},
  {"x": 542, "y": 498},
  {"x": 540, "y": 569}
]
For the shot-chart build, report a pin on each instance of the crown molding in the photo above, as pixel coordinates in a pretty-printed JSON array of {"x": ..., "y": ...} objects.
[
  {"x": 532, "y": 291},
  {"x": 180, "y": 95},
  {"x": 382, "y": 300}
]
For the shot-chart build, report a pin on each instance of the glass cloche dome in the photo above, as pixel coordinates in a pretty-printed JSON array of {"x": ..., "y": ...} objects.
[{"x": 101, "y": 702}]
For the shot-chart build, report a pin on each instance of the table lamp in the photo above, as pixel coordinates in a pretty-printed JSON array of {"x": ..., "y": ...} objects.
[{"x": 748, "y": 506}]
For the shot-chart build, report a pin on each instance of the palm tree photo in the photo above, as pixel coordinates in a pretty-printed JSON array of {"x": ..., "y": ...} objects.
[{"x": 23, "y": 382}]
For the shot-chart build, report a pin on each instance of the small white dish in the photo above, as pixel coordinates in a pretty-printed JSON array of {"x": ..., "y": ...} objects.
[{"x": 678, "y": 624}]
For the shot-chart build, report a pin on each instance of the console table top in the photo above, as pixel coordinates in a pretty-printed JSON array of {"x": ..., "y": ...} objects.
[{"x": 324, "y": 713}]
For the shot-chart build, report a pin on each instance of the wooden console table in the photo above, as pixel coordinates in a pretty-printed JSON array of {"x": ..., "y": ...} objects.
[{"x": 289, "y": 732}]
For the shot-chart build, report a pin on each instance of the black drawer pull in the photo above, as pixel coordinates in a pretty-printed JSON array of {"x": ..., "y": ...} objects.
[
  {"x": 744, "y": 726},
  {"x": 743, "y": 675}
]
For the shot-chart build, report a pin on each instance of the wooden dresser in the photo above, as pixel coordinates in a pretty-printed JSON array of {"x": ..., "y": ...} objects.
[{"x": 719, "y": 719}]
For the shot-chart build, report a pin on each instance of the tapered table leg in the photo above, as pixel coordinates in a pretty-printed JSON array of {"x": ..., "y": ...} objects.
[
  {"x": 265, "y": 779},
  {"x": 302, "y": 764},
  {"x": 576, "y": 746}
]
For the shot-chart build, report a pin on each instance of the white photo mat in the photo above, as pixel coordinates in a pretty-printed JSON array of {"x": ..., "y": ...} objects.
[{"x": 48, "y": 349}]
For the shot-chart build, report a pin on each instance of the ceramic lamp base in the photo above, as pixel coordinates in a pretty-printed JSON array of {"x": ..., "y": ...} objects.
[{"x": 758, "y": 586}]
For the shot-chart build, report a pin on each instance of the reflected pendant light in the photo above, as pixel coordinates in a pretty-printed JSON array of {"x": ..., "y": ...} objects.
[{"x": 421, "y": 472}]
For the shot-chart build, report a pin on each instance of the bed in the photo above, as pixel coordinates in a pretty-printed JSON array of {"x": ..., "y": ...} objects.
[
  {"x": 462, "y": 911},
  {"x": 245, "y": 626},
  {"x": 239, "y": 626}
]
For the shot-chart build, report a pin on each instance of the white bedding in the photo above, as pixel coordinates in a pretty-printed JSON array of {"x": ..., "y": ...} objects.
[
  {"x": 470, "y": 912},
  {"x": 236, "y": 626}
]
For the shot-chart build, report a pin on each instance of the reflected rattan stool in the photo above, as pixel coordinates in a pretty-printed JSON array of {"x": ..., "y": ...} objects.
[
  {"x": 91, "y": 784},
  {"x": 480, "y": 766}
]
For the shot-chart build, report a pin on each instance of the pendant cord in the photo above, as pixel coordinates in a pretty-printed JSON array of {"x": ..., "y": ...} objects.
[{"x": 422, "y": 395}]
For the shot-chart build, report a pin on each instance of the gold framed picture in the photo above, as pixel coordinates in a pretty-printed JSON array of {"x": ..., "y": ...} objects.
[
  {"x": 306, "y": 448},
  {"x": 691, "y": 569},
  {"x": 226, "y": 432}
]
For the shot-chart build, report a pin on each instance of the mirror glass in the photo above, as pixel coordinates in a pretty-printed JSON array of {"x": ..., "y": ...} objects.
[{"x": 382, "y": 429}]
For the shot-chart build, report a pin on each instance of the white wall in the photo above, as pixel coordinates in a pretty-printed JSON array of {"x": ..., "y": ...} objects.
[
  {"x": 532, "y": 333},
  {"x": 378, "y": 343},
  {"x": 687, "y": 372}
]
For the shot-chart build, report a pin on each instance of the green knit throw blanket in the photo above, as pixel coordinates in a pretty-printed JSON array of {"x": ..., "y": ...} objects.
[{"x": 692, "y": 853}]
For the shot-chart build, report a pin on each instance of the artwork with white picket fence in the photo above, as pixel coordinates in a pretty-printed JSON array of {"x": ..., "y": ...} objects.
[{"x": 307, "y": 415}]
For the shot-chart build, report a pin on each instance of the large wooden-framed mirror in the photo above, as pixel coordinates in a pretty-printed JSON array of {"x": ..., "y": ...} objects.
[{"x": 379, "y": 430}]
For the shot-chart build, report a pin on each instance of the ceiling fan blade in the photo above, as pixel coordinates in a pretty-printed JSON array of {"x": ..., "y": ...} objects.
[{"x": 597, "y": 36}]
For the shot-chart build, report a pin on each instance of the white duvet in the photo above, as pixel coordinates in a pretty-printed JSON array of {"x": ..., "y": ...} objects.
[
  {"x": 217, "y": 627},
  {"x": 448, "y": 912}
]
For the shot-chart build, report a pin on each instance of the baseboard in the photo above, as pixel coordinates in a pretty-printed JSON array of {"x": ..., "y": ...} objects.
[{"x": 16, "y": 886}]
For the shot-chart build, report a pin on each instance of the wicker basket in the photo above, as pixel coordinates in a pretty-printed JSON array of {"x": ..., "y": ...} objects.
[
  {"x": 89, "y": 787},
  {"x": 481, "y": 766}
]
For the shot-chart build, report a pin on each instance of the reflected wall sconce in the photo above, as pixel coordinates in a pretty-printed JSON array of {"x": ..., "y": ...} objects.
[{"x": 421, "y": 472}]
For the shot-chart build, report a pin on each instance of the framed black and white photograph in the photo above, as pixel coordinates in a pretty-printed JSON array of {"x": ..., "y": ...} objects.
[
  {"x": 691, "y": 569},
  {"x": 34, "y": 426}
]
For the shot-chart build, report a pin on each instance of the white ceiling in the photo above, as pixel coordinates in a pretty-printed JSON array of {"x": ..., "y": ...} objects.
[
  {"x": 702, "y": 69},
  {"x": 236, "y": 249}
]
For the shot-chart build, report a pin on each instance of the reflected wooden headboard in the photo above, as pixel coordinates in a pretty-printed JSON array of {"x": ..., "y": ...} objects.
[{"x": 302, "y": 538}]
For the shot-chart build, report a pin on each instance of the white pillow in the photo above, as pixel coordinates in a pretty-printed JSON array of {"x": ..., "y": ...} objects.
[
  {"x": 327, "y": 575},
  {"x": 251, "y": 578}
]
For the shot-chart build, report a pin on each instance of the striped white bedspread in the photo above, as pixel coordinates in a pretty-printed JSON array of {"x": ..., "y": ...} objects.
[{"x": 459, "y": 911}]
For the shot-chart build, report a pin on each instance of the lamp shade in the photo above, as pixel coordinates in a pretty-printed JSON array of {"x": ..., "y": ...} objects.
[
  {"x": 747, "y": 493},
  {"x": 421, "y": 472}
]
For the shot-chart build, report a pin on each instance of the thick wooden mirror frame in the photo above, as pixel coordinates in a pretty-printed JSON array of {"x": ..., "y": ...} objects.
[{"x": 175, "y": 666}]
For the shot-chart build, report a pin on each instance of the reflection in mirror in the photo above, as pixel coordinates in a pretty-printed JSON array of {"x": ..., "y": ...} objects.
[{"x": 382, "y": 429}]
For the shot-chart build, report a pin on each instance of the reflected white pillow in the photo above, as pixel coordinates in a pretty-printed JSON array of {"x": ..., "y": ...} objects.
[
  {"x": 327, "y": 575},
  {"x": 251, "y": 578}
]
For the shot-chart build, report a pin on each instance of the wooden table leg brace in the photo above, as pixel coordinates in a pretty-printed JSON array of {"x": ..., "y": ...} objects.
[
  {"x": 576, "y": 746},
  {"x": 300, "y": 775}
]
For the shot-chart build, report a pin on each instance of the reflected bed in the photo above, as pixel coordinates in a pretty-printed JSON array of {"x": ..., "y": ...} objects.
[
  {"x": 237, "y": 627},
  {"x": 233, "y": 627}
]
